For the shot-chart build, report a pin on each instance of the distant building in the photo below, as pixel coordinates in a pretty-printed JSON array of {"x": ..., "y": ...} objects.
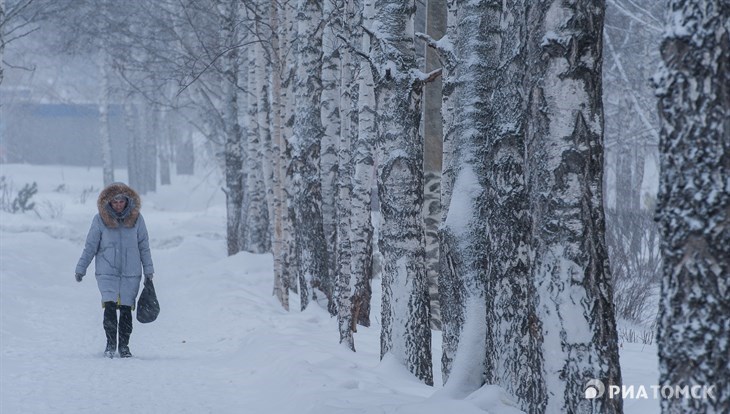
[{"x": 53, "y": 133}]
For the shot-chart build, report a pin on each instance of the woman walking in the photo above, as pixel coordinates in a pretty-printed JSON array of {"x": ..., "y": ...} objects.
[{"x": 119, "y": 242}]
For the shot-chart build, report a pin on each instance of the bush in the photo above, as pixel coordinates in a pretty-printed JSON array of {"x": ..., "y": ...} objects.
[
  {"x": 21, "y": 202},
  {"x": 632, "y": 238}
]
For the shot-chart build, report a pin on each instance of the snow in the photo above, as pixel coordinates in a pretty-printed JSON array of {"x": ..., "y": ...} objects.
[
  {"x": 466, "y": 191},
  {"x": 222, "y": 344}
]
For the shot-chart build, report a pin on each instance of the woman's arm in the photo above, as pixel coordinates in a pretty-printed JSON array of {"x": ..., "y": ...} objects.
[
  {"x": 144, "y": 247},
  {"x": 91, "y": 247}
]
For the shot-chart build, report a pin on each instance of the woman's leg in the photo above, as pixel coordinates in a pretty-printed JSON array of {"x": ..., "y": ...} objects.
[
  {"x": 110, "y": 328},
  {"x": 125, "y": 330}
]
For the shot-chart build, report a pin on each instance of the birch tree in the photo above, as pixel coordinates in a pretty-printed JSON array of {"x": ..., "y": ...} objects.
[
  {"x": 233, "y": 148},
  {"x": 576, "y": 324},
  {"x": 278, "y": 209},
  {"x": 363, "y": 148},
  {"x": 305, "y": 155},
  {"x": 406, "y": 333},
  {"x": 104, "y": 136},
  {"x": 331, "y": 86},
  {"x": 693, "y": 209},
  {"x": 487, "y": 229}
]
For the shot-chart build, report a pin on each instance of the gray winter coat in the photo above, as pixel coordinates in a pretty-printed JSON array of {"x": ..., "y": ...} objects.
[{"x": 120, "y": 244}]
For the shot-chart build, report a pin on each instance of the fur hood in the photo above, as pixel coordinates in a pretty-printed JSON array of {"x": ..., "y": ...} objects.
[{"x": 131, "y": 213}]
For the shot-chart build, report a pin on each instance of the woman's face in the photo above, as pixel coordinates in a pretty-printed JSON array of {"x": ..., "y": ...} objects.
[{"x": 118, "y": 205}]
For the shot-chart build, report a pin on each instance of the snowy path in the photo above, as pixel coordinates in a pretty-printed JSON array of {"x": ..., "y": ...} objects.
[{"x": 221, "y": 343}]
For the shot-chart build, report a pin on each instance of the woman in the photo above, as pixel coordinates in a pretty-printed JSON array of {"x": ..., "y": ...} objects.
[{"x": 118, "y": 239}]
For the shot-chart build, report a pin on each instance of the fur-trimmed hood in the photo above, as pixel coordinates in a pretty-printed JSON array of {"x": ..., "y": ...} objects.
[{"x": 108, "y": 215}]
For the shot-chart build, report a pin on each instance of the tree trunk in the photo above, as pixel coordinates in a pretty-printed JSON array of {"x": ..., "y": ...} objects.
[
  {"x": 2, "y": 40},
  {"x": 405, "y": 334},
  {"x": 276, "y": 157},
  {"x": 233, "y": 147},
  {"x": 256, "y": 211},
  {"x": 433, "y": 152},
  {"x": 305, "y": 155},
  {"x": 450, "y": 298},
  {"x": 575, "y": 307},
  {"x": 694, "y": 204},
  {"x": 363, "y": 147},
  {"x": 131, "y": 121},
  {"x": 330, "y": 114},
  {"x": 486, "y": 233},
  {"x": 104, "y": 136}
]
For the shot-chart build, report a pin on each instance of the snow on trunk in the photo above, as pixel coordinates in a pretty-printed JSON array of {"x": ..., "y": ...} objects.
[
  {"x": 487, "y": 229},
  {"x": 259, "y": 172},
  {"x": 693, "y": 209},
  {"x": 565, "y": 176},
  {"x": 363, "y": 148},
  {"x": 330, "y": 114},
  {"x": 406, "y": 333},
  {"x": 305, "y": 155},
  {"x": 344, "y": 281},
  {"x": 233, "y": 146}
]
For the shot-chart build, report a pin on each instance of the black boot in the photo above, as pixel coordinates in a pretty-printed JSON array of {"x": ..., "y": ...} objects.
[
  {"x": 110, "y": 328},
  {"x": 125, "y": 329}
]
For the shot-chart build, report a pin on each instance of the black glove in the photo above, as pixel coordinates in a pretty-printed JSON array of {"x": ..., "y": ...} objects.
[
  {"x": 149, "y": 276},
  {"x": 79, "y": 276}
]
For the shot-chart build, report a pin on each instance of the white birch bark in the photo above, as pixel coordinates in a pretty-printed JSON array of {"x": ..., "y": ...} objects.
[
  {"x": 276, "y": 155},
  {"x": 331, "y": 122},
  {"x": 344, "y": 280},
  {"x": 405, "y": 334},
  {"x": 257, "y": 215},
  {"x": 693, "y": 211},
  {"x": 289, "y": 35},
  {"x": 565, "y": 166},
  {"x": 233, "y": 147},
  {"x": 305, "y": 154},
  {"x": 363, "y": 148}
]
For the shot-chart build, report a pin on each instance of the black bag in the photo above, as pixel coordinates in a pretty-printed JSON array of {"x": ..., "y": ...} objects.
[{"x": 147, "y": 306}]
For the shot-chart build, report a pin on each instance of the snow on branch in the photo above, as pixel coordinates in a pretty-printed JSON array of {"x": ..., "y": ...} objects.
[{"x": 442, "y": 46}]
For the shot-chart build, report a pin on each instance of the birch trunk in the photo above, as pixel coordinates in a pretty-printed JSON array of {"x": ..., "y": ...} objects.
[
  {"x": 257, "y": 214},
  {"x": 233, "y": 147},
  {"x": 331, "y": 123},
  {"x": 565, "y": 165},
  {"x": 450, "y": 298},
  {"x": 348, "y": 116},
  {"x": 405, "y": 334},
  {"x": 104, "y": 136},
  {"x": 362, "y": 183},
  {"x": 305, "y": 154},
  {"x": 131, "y": 121},
  {"x": 148, "y": 179},
  {"x": 278, "y": 211},
  {"x": 493, "y": 336},
  {"x": 693, "y": 209},
  {"x": 290, "y": 268}
]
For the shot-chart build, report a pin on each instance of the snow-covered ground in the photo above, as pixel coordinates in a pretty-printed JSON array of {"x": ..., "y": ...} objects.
[{"x": 221, "y": 343}]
